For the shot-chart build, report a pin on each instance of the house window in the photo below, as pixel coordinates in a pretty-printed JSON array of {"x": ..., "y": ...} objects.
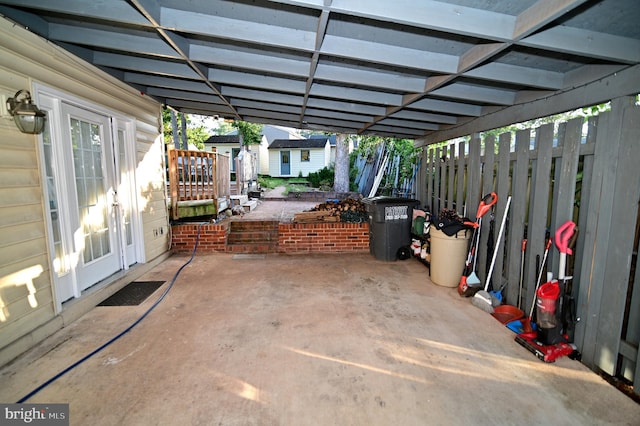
[{"x": 304, "y": 155}]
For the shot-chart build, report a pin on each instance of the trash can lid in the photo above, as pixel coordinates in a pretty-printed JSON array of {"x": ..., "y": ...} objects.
[{"x": 383, "y": 199}]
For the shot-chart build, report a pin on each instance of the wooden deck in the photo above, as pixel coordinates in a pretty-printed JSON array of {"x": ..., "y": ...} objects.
[{"x": 198, "y": 180}]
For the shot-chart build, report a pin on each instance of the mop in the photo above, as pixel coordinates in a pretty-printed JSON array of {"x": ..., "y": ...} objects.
[{"x": 483, "y": 299}]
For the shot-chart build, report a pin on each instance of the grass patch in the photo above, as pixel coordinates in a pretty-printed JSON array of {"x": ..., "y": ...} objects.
[
  {"x": 269, "y": 182},
  {"x": 296, "y": 184}
]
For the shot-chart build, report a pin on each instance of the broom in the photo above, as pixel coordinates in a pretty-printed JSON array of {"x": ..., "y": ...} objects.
[{"x": 482, "y": 299}]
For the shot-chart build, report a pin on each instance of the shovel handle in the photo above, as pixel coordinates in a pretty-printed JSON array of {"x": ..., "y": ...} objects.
[
  {"x": 563, "y": 237},
  {"x": 486, "y": 203}
]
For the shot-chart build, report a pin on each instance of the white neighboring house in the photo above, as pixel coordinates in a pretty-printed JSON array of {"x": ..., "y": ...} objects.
[
  {"x": 332, "y": 141},
  {"x": 294, "y": 157},
  {"x": 229, "y": 144},
  {"x": 273, "y": 133}
]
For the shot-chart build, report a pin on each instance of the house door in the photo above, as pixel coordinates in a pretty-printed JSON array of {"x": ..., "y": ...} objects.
[
  {"x": 92, "y": 195},
  {"x": 88, "y": 164},
  {"x": 285, "y": 163}
]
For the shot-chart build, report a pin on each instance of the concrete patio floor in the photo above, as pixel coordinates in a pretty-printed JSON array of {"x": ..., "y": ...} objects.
[{"x": 307, "y": 340}]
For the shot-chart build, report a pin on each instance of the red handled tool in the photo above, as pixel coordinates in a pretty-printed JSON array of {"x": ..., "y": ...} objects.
[
  {"x": 527, "y": 322},
  {"x": 551, "y": 343},
  {"x": 564, "y": 235},
  {"x": 469, "y": 282}
]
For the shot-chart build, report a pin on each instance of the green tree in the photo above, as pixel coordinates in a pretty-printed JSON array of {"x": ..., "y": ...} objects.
[
  {"x": 408, "y": 155},
  {"x": 224, "y": 127},
  {"x": 196, "y": 135},
  {"x": 251, "y": 132},
  {"x": 585, "y": 112}
]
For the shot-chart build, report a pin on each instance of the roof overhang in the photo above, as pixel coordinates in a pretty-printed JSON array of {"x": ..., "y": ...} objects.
[{"x": 407, "y": 69}]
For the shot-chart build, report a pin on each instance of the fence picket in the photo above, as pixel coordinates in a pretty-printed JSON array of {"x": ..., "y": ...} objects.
[
  {"x": 566, "y": 170},
  {"x": 436, "y": 182},
  {"x": 520, "y": 194},
  {"x": 460, "y": 181},
  {"x": 443, "y": 179},
  {"x": 474, "y": 181},
  {"x": 503, "y": 183},
  {"x": 487, "y": 184},
  {"x": 451, "y": 161}
]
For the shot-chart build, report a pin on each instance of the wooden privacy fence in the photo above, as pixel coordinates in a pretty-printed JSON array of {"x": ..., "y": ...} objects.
[
  {"x": 197, "y": 176},
  {"x": 588, "y": 172}
]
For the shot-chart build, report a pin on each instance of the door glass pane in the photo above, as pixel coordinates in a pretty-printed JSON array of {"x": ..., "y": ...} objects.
[
  {"x": 81, "y": 191},
  {"x": 92, "y": 202},
  {"x": 60, "y": 264}
]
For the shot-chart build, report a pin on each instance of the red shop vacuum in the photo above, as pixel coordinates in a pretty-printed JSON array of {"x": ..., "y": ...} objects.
[{"x": 555, "y": 309}]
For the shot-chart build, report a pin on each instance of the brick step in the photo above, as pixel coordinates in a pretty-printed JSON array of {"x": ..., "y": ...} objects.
[
  {"x": 250, "y": 248},
  {"x": 253, "y": 225},
  {"x": 252, "y": 236}
]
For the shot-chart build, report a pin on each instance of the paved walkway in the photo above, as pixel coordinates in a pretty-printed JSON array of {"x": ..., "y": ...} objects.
[
  {"x": 282, "y": 211},
  {"x": 274, "y": 205},
  {"x": 277, "y": 192},
  {"x": 307, "y": 340}
]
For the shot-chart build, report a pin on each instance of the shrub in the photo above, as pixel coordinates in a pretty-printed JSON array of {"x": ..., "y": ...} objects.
[{"x": 323, "y": 177}]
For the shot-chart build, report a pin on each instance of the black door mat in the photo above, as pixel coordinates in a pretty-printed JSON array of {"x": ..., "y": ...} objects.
[{"x": 132, "y": 294}]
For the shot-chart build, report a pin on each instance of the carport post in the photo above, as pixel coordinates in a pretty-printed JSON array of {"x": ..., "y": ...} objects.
[
  {"x": 174, "y": 129},
  {"x": 183, "y": 126}
]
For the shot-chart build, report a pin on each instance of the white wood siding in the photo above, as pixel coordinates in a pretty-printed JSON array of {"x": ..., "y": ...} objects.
[
  {"x": 318, "y": 159},
  {"x": 315, "y": 163},
  {"x": 274, "y": 163},
  {"x": 27, "y": 60}
]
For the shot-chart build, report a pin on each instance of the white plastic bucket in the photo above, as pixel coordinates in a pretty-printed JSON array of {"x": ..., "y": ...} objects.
[{"x": 448, "y": 254}]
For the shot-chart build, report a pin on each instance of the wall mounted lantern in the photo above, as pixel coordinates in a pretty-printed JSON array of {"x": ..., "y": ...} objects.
[{"x": 26, "y": 114}]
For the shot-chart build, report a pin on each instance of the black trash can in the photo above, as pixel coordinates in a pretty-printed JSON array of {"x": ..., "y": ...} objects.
[{"x": 390, "y": 221}]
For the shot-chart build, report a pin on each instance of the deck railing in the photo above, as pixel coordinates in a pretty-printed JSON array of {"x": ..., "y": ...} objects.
[{"x": 197, "y": 176}]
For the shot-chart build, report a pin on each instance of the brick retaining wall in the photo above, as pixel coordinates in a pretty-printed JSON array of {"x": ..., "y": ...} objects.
[
  {"x": 292, "y": 237},
  {"x": 323, "y": 237},
  {"x": 213, "y": 237}
]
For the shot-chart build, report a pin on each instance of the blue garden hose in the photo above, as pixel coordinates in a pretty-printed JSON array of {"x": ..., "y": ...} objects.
[{"x": 122, "y": 333}]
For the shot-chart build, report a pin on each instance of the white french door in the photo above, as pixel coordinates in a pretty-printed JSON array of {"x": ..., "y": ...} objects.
[
  {"x": 87, "y": 159},
  {"x": 92, "y": 194}
]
